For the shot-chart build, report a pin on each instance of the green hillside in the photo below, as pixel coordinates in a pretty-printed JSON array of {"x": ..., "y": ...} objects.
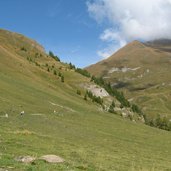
[
  {"x": 142, "y": 71},
  {"x": 57, "y": 120}
]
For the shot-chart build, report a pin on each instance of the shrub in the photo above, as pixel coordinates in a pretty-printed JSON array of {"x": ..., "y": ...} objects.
[
  {"x": 112, "y": 91},
  {"x": 54, "y": 72},
  {"x": 85, "y": 97},
  {"x": 94, "y": 98},
  {"x": 62, "y": 79},
  {"x": 37, "y": 64},
  {"x": 78, "y": 92},
  {"x": 111, "y": 109},
  {"x": 53, "y": 56},
  {"x": 71, "y": 66},
  {"x": 59, "y": 74},
  {"x": 159, "y": 122},
  {"x": 136, "y": 109},
  {"x": 23, "y": 49},
  {"x": 36, "y": 55},
  {"x": 83, "y": 72}
]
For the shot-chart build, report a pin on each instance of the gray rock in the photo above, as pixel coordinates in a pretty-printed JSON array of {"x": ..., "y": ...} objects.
[
  {"x": 25, "y": 159},
  {"x": 1, "y": 169},
  {"x": 52, "y": 158}
]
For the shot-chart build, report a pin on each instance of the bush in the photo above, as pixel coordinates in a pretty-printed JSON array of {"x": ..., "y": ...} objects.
[
  {"x": 111, "y": 107},
  {"x": 113, "y": 104},
  {"x": 53, "y": 56},
  {"x": 23, "y": 49},
  {"x": 136, "y": 109},
  {"x": 37, "y": 64},
  {"x": 78, "y": 92},
  {"x": 59, "y": 74},
  {"x": 83, "y": 72},
  {"x": 113, "y": 92},
  {"x": 54, "y": 72},
  {"x": 62, "y": 79},
  {"x": 94, "y": 98},
  {"x": 71, "y": 66},
  {"x": 85, "y": 97},
  {"x": 159, "y": 122},
  {"x": 36, "y": 55}
]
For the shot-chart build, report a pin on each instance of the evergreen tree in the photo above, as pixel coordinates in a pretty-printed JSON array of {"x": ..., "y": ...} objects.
[
  {"x": 111, "y": 109},
  {"x": 78, "y": 92},
  {"x": 85, "y": 97},
  {"x": 113, "y": 104},
  {"x": 54, "y": 72},
  {"x": 62, "y": 79},
  {"x": 59, "y": 74}
]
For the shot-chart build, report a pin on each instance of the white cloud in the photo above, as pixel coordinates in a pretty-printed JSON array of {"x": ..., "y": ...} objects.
[
  {"x": 132, "y": 19},
  {"x": 114, "y": 42},
  {"x": 105, "y": 53}
]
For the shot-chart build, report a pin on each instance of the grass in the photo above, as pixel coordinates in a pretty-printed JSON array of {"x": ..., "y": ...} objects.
[{"x": 87, "y": 138}]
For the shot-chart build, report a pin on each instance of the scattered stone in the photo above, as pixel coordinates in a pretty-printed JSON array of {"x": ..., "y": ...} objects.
[
  {"x": 52, "y": 158},
  {"x": 22, "y": 113},
  {"x": 141, "y": 119},
  {"x": 124, "y": 114},
  {"x": 25, "y": 159},
  {"x": 4, "y": 116},
  {"x": 1, "y": 169}
]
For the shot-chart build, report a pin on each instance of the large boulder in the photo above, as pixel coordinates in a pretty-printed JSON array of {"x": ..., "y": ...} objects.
[{"x": 52, "y": 158}]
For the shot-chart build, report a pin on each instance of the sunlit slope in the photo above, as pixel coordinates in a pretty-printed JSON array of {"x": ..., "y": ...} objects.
[
  {"x": 143, "y": 72},
  {"x": 58, "y": 121}
]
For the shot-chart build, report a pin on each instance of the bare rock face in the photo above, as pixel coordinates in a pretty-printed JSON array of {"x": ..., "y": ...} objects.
[
  {"x": 25, "y": 159},
  {"x": 52, "y": 158}
]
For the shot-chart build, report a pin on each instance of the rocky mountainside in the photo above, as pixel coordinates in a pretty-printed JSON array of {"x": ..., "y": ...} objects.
[{"x": 143, "y": 72}]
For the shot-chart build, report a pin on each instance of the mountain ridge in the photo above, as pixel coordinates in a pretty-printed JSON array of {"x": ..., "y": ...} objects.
[{"x": 152, "y": 73}]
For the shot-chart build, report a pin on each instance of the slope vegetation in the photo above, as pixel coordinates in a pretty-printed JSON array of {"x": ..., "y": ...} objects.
[{"x": 58, "y": 121}]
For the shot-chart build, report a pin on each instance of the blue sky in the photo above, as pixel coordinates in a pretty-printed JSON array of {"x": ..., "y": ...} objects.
[
  {"x": 62, "y": 26},
  {"x": 86, "y": 31}
]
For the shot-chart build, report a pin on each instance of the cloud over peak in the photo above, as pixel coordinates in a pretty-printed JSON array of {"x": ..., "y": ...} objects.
[{"x": 132, "y": 19}]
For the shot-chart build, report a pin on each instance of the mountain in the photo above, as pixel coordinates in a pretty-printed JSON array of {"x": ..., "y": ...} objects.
[
  {"x": 143, "y": 72},
  {"x": 56, "y": 119}
]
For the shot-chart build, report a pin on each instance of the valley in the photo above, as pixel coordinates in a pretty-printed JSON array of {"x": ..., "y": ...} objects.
[{"x": 57, "y": 120}]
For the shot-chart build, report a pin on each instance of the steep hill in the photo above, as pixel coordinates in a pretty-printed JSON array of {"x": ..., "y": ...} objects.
[
  {"x": 57, "y": 120},
  {"x": 142, "y": 71}
]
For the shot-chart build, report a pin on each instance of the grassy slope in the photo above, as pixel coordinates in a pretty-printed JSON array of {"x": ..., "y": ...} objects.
[
  {"x": 151, "y": 90},
  {"x": 85, "y": 137}
]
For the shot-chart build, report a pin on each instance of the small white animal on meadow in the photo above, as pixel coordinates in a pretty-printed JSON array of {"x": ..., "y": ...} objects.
[{"x": 22, "y": 112}]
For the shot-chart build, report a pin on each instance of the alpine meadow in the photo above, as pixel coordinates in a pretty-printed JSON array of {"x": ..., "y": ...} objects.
[{"x": 85, "y": 86}]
